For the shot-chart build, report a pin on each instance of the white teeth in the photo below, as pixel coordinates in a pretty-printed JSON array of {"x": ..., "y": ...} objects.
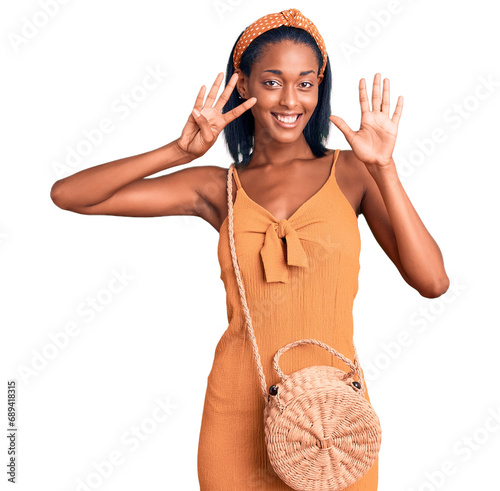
[{"x": 287, "y": 119}]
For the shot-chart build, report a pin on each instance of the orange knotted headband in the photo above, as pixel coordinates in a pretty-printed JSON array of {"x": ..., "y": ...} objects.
[{"x": 290, "y": 17}]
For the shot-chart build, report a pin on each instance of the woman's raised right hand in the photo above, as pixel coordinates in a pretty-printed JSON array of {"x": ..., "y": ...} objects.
[{"x": 206, "y": 122}]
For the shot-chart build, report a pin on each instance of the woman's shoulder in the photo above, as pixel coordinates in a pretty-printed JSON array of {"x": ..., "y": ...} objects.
[
  {"x": 351, "y": 164},
  {"x": 213, "y": 176},
  {"x": 213, "y": 190},
  {"x": 352, "y": 177}
]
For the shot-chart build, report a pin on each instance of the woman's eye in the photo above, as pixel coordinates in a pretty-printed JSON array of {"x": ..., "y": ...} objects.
[{"x": 269, "y": 82}]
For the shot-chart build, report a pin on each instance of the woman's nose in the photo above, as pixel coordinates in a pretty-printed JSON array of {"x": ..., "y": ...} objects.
[{"x": 288, "y": 96}]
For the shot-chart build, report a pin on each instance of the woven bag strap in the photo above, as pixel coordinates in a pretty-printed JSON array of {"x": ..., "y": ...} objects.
[
  {"x": 240, "y": 281},
  {"x": 355, "y": 365}
]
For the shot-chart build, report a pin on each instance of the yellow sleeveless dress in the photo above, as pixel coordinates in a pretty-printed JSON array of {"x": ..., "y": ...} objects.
[{"x": 300, "y": 287}]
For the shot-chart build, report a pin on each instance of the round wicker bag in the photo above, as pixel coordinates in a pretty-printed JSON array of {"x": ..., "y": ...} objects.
[{"x": 321, "y": 433}]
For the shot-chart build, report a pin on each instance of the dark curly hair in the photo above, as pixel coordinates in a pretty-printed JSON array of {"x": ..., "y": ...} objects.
[{"x": 239, "y": 134}]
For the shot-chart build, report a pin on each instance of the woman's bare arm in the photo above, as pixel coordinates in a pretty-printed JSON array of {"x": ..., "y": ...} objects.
[
  {"x": 97, "y": 184},
  {"x": 400, "y": 232},
  {"x": 385, "y": 204},
  {"x": 122, "y": 188}
]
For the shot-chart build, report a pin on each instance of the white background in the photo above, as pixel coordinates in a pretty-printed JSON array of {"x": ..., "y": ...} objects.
[{"x": 436, "y": 394}]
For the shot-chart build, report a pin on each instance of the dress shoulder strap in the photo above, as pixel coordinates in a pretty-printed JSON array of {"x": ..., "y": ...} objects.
[{"x": 335, "y": 156}]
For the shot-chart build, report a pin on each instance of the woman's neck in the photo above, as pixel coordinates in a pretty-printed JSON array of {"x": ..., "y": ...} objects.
[{"x": 279, "y": 153}]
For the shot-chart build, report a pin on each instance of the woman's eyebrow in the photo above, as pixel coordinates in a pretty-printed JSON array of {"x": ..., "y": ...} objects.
[{"x": 279, "y": 72}]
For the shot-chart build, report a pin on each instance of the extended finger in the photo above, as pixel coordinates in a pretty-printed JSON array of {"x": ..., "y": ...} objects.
[
  {"x": 363, "y": 96},
  {"x": 224, "y": 97},
  {"x": 199, "y": 99},
  {"x": 399, "y": 109},
  {"x": 204, "y": 125},
  {"x": 213, "y": 91},
  {"x": 239, "y": 110},
  {"x": 376, "y": 93},
  {"x": 386, "y": 97}
]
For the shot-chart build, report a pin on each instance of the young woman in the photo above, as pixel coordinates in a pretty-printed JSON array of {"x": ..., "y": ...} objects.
[{"x": 296, "y": 205}]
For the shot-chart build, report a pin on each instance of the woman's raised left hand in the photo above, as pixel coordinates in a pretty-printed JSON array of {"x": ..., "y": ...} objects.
[{"x": 374, "y": 142}]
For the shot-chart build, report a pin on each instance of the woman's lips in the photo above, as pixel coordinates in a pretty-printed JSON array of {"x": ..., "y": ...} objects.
[{"x": 286, "y": 125}]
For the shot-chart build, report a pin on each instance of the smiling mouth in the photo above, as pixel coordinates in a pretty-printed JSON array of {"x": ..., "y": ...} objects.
[{"x": 287, "y": 119}]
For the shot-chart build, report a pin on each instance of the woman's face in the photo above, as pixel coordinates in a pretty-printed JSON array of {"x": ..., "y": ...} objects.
[{"x": 285, "y": 82}]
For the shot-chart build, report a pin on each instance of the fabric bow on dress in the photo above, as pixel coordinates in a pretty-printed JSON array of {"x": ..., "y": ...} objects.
[{"x": 274, "y": 258}]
